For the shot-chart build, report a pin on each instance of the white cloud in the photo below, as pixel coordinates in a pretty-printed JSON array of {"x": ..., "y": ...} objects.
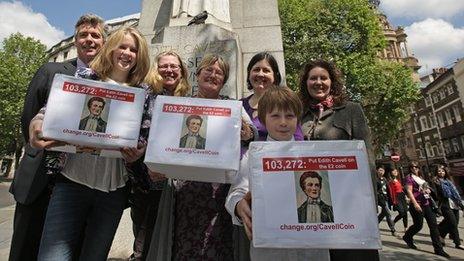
[
  {"x": 422, "y": 8},
  {"x": 16, "y": 17},
  {"x": 435, "y": 43}
]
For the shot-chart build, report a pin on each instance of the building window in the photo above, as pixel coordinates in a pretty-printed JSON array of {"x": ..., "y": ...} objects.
[
  {"x": 450, "y": 88},
  {"x": 416, "y": 127},
  {"x": 442, "y": 94},
  {"x": 420, "y": 153},
  {"x": 440, "y": 120},
  {"x": 462, "y": 140},
  {"x": 435, "y": 97},
  {"x": 449, "y": 121},
  {"x": 54, "y": 59},
  {"x": 424, "y": 123},
  {"x": 428, "y": 101},
  {"x": 457, "y": 113},
  {"x": 455, "y": 143},
  {"x": 419, "y": 140},
  {"x": 446, "y": 146},
  {"x": 429, "y": 150},
  {"x": 433, "y": 122},
  {"x": 440, "y": 152},
  {"x": 65, "y": 56}
]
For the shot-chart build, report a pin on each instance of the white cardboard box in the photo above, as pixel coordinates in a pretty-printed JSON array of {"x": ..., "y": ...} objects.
[
  {"x": 344, "y": 213},
  {"x": 210, "y": 154},
  {"x": 116, "y": 110}
]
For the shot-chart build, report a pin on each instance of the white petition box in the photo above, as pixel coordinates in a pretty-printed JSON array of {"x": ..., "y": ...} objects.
[
  {"x": 313, "y": 194},
  {"x": 195, "y": 139},
  {"x": 93, "y": 116}
]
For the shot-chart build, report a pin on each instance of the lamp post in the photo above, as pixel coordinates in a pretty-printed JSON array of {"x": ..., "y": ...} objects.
[{"x": 423, "y": 144}]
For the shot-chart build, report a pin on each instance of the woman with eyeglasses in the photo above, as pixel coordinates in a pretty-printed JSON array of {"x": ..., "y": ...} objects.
[
  {"x": 167, "y": 77},
  {"x": 195, "y": 222},
  {"x": 419, "y": 192},
  {"x": 450, "y": 202}
]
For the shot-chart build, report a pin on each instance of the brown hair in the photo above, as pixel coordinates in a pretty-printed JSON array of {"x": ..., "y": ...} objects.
[
  {"x": 280, "y": 98},
  {"x": 95, "y": 21},
  {"x": 193, "y": 117},
  {"x": 447, "y": 175},
  {"x": 95, "y": 98},
  {"x": 415, "y": 163},
  {"x": 209, "y": 60},
  {"x": 309, "y": 174},
  {"x": 155, "y": 80},
  {"x": 103, "y": 62},
  {"x": 337, "y": 89}
]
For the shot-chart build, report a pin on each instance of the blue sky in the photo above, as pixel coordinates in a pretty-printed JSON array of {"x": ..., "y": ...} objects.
[
  {"x": 435, "y": 28},
  {"x": 63, "y": 14}
]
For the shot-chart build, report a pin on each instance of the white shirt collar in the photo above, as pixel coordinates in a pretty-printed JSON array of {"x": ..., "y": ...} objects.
[{"x": 81, "y": 64}]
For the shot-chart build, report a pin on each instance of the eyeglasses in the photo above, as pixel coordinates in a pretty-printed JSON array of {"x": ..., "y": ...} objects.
[
  {"x": 414, "y": 167},
  {"x": 165, "y": 67}
]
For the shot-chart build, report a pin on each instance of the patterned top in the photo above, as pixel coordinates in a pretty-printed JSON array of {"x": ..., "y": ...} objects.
[
  {"x": 138, "y": 171},
  {"x": 203, "y": 228},
  {"x": 416, "y": 191}
]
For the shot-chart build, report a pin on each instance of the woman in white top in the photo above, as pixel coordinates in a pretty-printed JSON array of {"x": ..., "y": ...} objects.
[{"x": 90, "y": 192}]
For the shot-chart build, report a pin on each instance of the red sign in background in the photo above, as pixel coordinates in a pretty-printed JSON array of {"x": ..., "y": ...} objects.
[
  {"x": 199, "y": 110},
  {"x": 97, "y": 91},
  {"x": 310, "y": 163}
]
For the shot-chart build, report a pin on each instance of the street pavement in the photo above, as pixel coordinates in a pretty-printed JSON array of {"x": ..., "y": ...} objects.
[{"x": 393, "y": 246}]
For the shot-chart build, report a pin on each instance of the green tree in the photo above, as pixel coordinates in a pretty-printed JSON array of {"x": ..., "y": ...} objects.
[
  {"x": 21, "y": 57},
  {"x": 349, "y": 33}
]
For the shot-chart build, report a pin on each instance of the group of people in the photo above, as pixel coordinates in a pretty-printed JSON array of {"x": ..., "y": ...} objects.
[
  {"x": 69, "y": 205},
  {"x": 428, "y": 198}
]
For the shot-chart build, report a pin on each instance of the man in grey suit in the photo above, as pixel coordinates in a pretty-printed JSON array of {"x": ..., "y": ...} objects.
[
  {"x": 313, "y": 210},
  {"x": 31, "y": 186},
  {"x": 193, "y": 139},
  {"x": 93, "y": 121}
]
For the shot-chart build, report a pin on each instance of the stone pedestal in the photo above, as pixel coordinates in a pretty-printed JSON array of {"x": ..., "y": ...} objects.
[{"x": 254, "y": 27}]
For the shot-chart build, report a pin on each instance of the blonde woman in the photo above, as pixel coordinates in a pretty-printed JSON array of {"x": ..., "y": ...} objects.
[{"x": 90, "y": 192}]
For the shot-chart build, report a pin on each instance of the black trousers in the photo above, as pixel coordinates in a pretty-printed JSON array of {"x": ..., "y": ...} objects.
[
  {"x": 27, "y": 228},
  {"x": 418, "y": 222},
  {"x": 144, "y": 208},
  {"x": 385, "y": 213},
  {"x": 354, "y": 255},
  {"x": 402, "y": 209},
  {"x": 449, "y": 224}
]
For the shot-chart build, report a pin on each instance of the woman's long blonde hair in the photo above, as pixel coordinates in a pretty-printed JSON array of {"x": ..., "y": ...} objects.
[
  {"x": 155, "y": 80},
  {"x": 103, "y": 62}
]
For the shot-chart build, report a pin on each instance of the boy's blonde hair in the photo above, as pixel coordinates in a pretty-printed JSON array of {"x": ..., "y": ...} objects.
[{"x": 280, "y": 98}]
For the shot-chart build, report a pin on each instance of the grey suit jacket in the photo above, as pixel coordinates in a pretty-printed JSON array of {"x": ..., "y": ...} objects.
[
  {"x": 201, "y": 142},
  {"x": 30, "y": 179},
  {"x": 101, "y": 124},
  {"x": 326, "y": 213}
]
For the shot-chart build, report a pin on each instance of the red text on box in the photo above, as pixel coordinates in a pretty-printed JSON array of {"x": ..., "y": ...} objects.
[
  {"x": 198, "y": 110},
  {"x": 97, "y": 91},
  {"x": 309, "y": 163}
]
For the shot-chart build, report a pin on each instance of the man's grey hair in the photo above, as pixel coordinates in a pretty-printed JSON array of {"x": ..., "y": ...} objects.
[{"x": 94, "y": 20}]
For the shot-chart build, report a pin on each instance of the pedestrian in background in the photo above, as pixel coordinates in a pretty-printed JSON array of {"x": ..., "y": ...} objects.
[{"x": 398, "y": 198}]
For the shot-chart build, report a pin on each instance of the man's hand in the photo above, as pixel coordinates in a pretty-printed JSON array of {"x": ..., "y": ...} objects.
[
  {"x": 36, "y": 137},
  {"x": 133, "y": 154},
  {"x": 243, "y": 210}
]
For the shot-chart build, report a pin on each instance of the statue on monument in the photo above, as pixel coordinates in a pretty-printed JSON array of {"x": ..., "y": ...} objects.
[{"x": 219, "y": 9}]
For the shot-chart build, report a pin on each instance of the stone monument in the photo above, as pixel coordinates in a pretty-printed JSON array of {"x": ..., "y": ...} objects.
[{"x": 235, "y": 29}]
